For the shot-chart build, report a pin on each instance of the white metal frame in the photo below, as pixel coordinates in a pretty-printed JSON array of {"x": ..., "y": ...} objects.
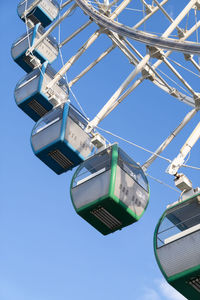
[{"x": 117, "y": 34}]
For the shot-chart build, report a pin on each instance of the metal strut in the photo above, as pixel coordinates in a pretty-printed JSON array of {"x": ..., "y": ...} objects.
[
  {"x": 168, "y": 140},
  {"x": 179, "y": 160},
  {"x": 139, "y": 67},
  {"x": 163, "y": 42},
  {"x": 85, "y": 46}
]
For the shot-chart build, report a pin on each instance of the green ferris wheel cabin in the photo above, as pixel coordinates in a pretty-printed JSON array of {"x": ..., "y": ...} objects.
[
  {"x": 177, "y": 246},
  {"x": 110, "y": 190}
]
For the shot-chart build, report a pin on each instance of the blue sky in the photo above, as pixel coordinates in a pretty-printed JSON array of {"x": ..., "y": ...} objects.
[{"x": 47, "y": 251}]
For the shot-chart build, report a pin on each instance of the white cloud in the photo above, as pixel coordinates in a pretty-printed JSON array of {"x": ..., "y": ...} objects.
[
  {"x": 160, "y": 290},
  {"x": 169, "y": 292},
  {"x": 150, "y": 294}
]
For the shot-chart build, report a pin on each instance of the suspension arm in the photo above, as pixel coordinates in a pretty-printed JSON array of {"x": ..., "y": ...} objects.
[{"x": 179, "y": 160}]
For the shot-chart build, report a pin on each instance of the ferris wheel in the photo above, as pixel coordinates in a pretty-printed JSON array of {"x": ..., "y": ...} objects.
[{"x": 109, "y": 189}]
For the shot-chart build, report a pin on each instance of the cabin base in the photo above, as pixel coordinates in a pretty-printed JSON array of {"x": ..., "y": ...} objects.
[
  {"x": 35, "y": 106},
  {"x": 28, "y": 63},
  {"x": 60, "y": 157},
  {"x": 106, "y": 215},
  {"x": 188, "y": 284},
  {"x": 39, "y": 16}
]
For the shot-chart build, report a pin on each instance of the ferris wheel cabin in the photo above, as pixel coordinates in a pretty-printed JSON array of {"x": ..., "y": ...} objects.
[
  {"x": 109, "y": 190},
  {"x": 59, "y": 139},
  {"x": 31, "y": 93},
  {"x": 177, "y": 246},
  {"x": 47, "y": 50},
  {"x": 43, "y": 12}
]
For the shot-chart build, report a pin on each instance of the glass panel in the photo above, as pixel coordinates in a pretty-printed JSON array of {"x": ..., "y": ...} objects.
[
  {"x": 29, "y": 2},
  {"x": 54, "y": 3},
  {"x": 50, "y": 118},
  {"x": 132, "y": 168},
  {"x": 46, "y": 137},
  {"x": 28, "y": 78},
  {"x": 91, "y": 190},
  {"x": 22, "y": 37},
  {"x": 77, "y": 117},
  {"x": 179, "y": 221},
  {"x": 23, "y": 6},
  {"x": 94, "y": 166}
]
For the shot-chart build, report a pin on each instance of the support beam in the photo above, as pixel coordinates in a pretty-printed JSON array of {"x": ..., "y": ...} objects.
[
  {"x": 179, "y": 18},
  {"x": 92, "y": 65},
  {"x": 123, "y": 96},
  {"x": 148, "y": 7},
  {"x": 162, "y": 147},
  {"x": 74, "y": 58},
  {"x": 154, "y": 10},
  {"x": 187, "y": 34},
  {"x": 149, "y": 69},
  {"x": 75, "y": 33},
  {"x": 178, "y": 75},
  {"x": 122, "y": 46},
  {"x": 112, "y": 3},
  {"x": 195, "y": 64},
  {"x": 179, "y": 160},
  {"x": 167, "y": 15},
  {"x": 104, "y": 111},
  {"x": 86, "y": 45},
  {"x": 65, "y": 4},
  {"x": 119, "y": 9}
]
